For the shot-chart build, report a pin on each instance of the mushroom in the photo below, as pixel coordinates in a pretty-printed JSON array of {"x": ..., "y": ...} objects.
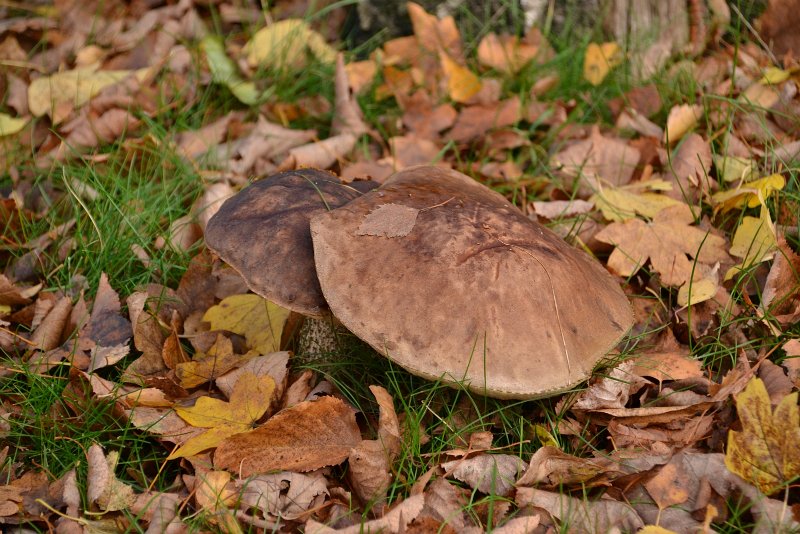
[{"x": 449, "y": 280}]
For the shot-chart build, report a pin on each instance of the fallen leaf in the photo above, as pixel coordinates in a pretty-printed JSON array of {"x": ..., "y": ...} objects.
[
  {"x": 581, "y": 514},
  {"x": 689, "y": 168},
  {"x": 103, "y": 487},
  {"x": 393, "y": 522},
  {"x": 389, "y": 220},
  {"x": 305, "y": 437},
  {"x": 462, "y": 83},
  {"x": 764, "y": 451},
  {"x": 258, "y": 320},
  {"x": 506, "y": 54},
  {"x": 781, "y": 296},
  {"x": 73, "y": 87},
  {"x": 610, "y": 391},
  {"x": 754, "y": 241},
  {"x": 474, "y": 121},
  {"x": 360, "y": 74},
  {"x": 284, "y": 495},
  {"x": 550, "y": 467},
  {"x": 681, "y": 119},
  {"x": 667, "y": 360},
  {"x": 214, "y": 495},
  {"x": 626, "y": 202},
  {"x": 433, "y": 34},
  {"x": 735, "y": 169},
  {"x": 492, "y": 474},
  {"x": 249, "y": 401},
  {"x": 10, "y": 125},
  {"x": 274, "y": 365},
  {"x": 702, "y": 287},
  {"x": 224, "y": 71},
  {"x": 597, "y": 161},
  {"x": 207, "y": 366},
  {"x": 322, "y": 154},
  {"x": 667, "y": 242},
  {"x": 748, "y": 195},
  {"x": 284, "y": 45},
  {"x": 599, "y": 60}
]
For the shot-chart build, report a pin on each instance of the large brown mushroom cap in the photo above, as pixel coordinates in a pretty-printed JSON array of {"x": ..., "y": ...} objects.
[
  {"x": 451, "y": 281},
  {"x": 263, "y": 233}
]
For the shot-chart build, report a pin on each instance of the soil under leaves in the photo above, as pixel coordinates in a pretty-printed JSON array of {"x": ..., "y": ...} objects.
[{"x": 143, "y": 387}]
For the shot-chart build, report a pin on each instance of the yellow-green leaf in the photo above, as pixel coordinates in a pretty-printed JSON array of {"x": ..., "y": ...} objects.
[
  {"x": 258, "y": 320},
  {"x": 698, "y": 291},
  {"x": 655, "y": 529},
  {"x": 74, "y": 86},
  {"x": 285, "y": 44},
  {"x": 10, "y": 125},
  {"x": 735, "y": 169},
  {"x": 205, "y": 367},
  {"x": 765, "y": 452},
  {"x": 599, "y": 60},
  {"x": 775, "y": 75},
  {"x": 224, "y": 71},
  {"x": 251, "y": 397},
  {"x": 754, "y": 242},
  {"x": 749, "y": 195}
]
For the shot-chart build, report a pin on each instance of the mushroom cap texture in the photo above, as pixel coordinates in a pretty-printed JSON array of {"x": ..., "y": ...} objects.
[
  {"x": 263, "y": 233},
  {"x": 471, "y": 291}
]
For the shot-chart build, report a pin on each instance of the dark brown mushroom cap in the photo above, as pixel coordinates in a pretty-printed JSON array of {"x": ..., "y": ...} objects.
[
  {"x": 451, "y": 281},
  {"x": 263, "y": 233}
]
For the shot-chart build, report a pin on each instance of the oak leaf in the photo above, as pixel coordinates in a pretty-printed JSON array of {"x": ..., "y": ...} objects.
[
  {"x": 250, "y": 399},
  {"x": 765, "y": 452},
  {"x": 258, "y": 320},
  {"x": 667, "y": 242}
]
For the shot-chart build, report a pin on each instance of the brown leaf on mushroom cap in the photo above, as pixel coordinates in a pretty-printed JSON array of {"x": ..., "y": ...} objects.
[
  {"x": 263, "y": 233},
  {"x": 475, "y": 292}
]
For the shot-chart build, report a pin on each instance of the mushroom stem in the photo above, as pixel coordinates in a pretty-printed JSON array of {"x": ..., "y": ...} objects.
[{"x": 318, "y": 337}]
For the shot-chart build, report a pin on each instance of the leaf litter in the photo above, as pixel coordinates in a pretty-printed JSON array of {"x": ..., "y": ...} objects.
[{"x": 690, "y": 201}]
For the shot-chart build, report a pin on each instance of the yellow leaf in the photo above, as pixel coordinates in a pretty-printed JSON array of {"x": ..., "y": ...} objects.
[
  {"x": 754, "y": 242},
  {"x": 224, "y": 71},
  {"x": 258, "y": 320},
  {"x": 735, "y": 169},
  {"x": 206, "y": 367},
  {"x": 692, "y": 293},
  {"x": 462, "y": 83},
  {"x": 775, "y": 75},
  {"x": 284, "y": 44},
  {"x": 621, "y": 203},
  {"x": 10, "y": 125},
  {"x": 765, "y": 452},
  {"x": 680, "y": 120},
  {"x": 250, "y": 399},
  {"x": 750, "y": 196},
  {"x": 655, "y": 529},
  {"x": 506, "y": 54},
  {"x": 599, "y": 60},
  {"x": 74, "y": 86}
]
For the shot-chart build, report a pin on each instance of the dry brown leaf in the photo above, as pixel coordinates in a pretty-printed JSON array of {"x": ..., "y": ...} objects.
[
  {"x": 764, "y": 452},
  {"x": 369, "y": 471},
  {"x": 474, "y": 121},
  {"x": 425, "y": 119},
  {"x": 274, "y": 365},
  {"x": 435, "y": 34},
  {"x": 360, "y": 74},
  {"x": 148, "y": 338},
  {"x": 492, "y": 474},
  {"x": 50, "y": 332},
  {"x": 580, "y": 514},
  {"x": 667, "y": 360},
  {"x": 284, "y": 495},
  {"x": 781, "y": 296},
  {"x": 689, "y": 167},
  {"x": 446, "y": 503},
  {"x": 205, "y": 367},
  {"x": 611, "y": 391},
  {"x": 667, "y": 242},
  {"x": 778, "y": 25},
  {"x": 393, "y": 522},
  {"x": 214, "y": 494},
  {"x": 597, "y": 160},
  {"x": 210, "y": 201},
  {"x": 320, "y": 155},
  {"x": 507, "y": 53},
  {"x": 409, "y": 150},
  {"x": 11, "y": 294},
  {"x": 389, "y": 220},
  {"x": 194, "y": 143},
  {"x": 347, "y": 117},
  {"x": 305, "y": 437},
  {"x": 107, "y": 328},
  {"x": 777, "y": 384},
  {"x": 103, "y": 487}
]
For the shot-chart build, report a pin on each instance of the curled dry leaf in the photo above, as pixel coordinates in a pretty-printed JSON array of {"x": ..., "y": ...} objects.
[
  {"x": 611, "y": 391},
  {"x": 393, "y": 522},
  {"x": 474, "y": 121},
  {"x": 507, "y": 54},
  {"x": 781, "y": 296},
  {"x": 550, "y": 467},
  {"x": 103, "y": 487},
  {"x": 305, "y": 437}
]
